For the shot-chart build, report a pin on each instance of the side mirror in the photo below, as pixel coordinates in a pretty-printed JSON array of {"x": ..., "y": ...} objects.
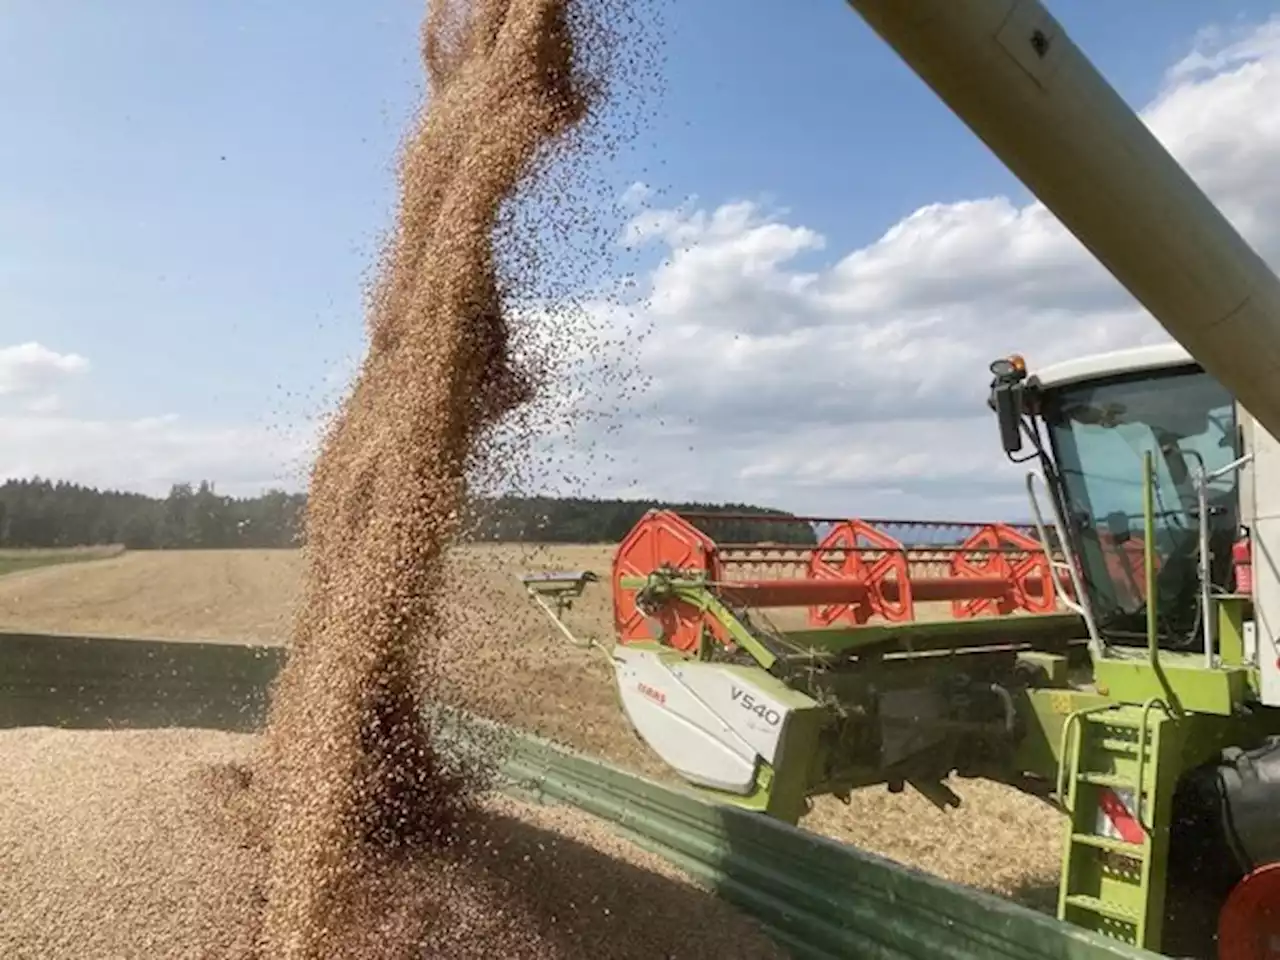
[{"x": 1007, "y": 400}]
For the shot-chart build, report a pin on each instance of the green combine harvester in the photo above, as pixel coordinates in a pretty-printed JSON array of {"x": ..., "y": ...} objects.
[{"x": 1120, "y": 656}]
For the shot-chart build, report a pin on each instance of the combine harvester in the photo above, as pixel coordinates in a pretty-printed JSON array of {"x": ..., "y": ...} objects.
[{"x": 1130, "y": 673}]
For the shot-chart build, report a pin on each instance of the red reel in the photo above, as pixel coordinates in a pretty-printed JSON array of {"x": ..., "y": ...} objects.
[
  {"x": 661, "y": 539},
  {"x": 854, "y": 536},
  {"x": 1029, "y": 578}
]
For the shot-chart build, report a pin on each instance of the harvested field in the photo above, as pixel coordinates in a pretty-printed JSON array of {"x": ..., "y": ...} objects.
[
  {"x": 130, "y": 846},
  {"x": 19, "y": 561},
  {"x": 241, "y": 595},
  {"x": 1000, "y": 840}
]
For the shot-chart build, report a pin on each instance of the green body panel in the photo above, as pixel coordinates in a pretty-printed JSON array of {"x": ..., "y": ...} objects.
[
  {"x": 1040, "y": 750},
  {"x": 1056, "y": 667},
  {"x": 922, "y": 635},
  {"x": 1232, "y": 613},
  {"x": 1179, "y": 678}
]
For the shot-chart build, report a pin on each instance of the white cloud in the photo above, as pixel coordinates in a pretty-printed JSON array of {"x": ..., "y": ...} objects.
[
  {"x": 857, "y": 383},
  {"x": 149, "y": 454},
  {"x": 44, "y": 403},
  {"x": 636, "y": 195},
  {"x": 40, "y": 436},
  {"x": 32, "y": 368}
]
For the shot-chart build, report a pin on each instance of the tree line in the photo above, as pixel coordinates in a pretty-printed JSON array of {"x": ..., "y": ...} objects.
[
  {"x": 579, "y": 520},
  {"x": 47, "y": 513}
]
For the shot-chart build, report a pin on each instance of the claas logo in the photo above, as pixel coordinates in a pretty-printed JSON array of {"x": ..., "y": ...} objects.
[{"x": 657, "y": 696}]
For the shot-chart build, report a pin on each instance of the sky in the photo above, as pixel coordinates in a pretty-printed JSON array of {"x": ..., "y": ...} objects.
[{"x": 192, "y": 198}]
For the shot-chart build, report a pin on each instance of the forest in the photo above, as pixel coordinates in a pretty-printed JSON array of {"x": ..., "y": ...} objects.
[{"x": 49, "y": 513}]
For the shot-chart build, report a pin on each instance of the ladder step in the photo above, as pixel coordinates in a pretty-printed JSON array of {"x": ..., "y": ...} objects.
[
  {"x": 1104, "y": 908},
  {"x": 1127, "y": 739},
  {"x": 1107, "y": 780},
  {"x": 1116, "y": 745},
  {"x": 1120, "y": 717},
  {"x": 1134, "y": 850}
]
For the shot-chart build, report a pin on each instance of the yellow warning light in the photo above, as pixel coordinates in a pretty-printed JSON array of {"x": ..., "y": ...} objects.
[{"x": 1018, "y": 363}]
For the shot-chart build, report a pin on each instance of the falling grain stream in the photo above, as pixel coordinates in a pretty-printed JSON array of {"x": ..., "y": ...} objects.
[{"x": 353, "y": 783}]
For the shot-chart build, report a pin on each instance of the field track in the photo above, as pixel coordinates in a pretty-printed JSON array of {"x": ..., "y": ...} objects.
[{"x": 499, "y": 657}]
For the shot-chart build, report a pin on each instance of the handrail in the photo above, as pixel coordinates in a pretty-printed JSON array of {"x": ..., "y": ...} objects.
[
  {"x": 1080, "y": 603},
  {"x": 1208, "y": 621},
  {"x": 1149, "y": 559}
]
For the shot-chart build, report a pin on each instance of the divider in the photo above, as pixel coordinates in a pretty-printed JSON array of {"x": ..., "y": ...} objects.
[{"x": 822, "y": 900}]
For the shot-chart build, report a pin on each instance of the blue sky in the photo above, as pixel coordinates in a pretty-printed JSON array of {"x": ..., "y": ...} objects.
[{"x": 191, "y": 194}]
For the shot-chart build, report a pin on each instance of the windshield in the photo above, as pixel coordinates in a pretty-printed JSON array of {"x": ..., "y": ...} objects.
[{"x": 1099, "y": 432}]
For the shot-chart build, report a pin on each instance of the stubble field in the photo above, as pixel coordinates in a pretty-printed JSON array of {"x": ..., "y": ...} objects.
[{"x": 524, "y": 674}]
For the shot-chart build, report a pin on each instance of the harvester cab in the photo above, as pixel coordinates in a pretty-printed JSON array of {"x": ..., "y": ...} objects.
[{"x": 1094, "y": 425}]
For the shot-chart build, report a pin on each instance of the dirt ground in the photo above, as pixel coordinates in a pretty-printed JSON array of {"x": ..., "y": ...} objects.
[{"x": 505, "y": 658}]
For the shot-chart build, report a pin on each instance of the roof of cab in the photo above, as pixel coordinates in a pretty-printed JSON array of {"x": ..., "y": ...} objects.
[{"x": 1099, "y": 365}]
